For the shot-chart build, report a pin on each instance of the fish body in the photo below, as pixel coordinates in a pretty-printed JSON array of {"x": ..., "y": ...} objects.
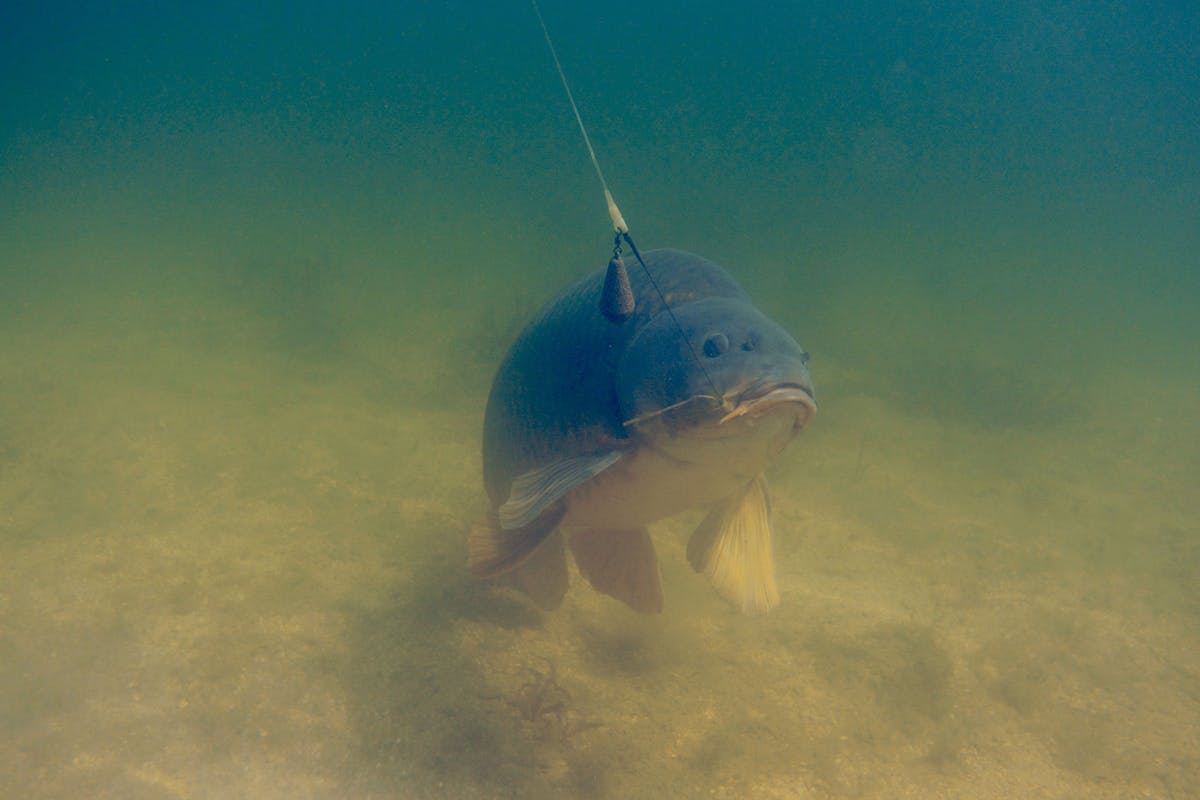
[{"x": 595, "y": 429}]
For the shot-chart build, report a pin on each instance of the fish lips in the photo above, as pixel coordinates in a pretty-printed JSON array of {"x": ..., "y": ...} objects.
[{"x": 760, "y": 399}]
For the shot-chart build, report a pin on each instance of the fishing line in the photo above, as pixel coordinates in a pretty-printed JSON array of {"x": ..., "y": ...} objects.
[
  {"x": 616, "y": 301},
  {"x": 614, "y": 212}
]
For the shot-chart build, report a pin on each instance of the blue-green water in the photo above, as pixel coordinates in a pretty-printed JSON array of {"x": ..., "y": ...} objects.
[{"x": 258, "y": 264}]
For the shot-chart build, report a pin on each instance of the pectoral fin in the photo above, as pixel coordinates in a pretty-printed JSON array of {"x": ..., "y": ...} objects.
[
  {"x": 621, "y": 564},
  {"x": 732, "y": 547},
  {"x": 534, "y": 491}
]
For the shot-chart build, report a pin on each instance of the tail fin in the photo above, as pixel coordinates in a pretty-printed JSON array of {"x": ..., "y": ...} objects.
[
  {"x": 543, "y": 576},
  {"x": 492, "y": 551}
]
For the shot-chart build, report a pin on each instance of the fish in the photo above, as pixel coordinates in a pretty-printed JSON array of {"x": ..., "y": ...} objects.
[{"x": 595, "y": 429}]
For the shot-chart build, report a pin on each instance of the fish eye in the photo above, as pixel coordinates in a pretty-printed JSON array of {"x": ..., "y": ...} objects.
[{"x": 715, "y": 345}]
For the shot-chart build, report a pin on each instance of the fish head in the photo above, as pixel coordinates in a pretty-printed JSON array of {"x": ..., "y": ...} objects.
[{"x": 715, "y": 374}]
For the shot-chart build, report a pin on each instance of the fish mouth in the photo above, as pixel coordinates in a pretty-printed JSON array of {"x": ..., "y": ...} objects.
[{"x": 759, "y": 399}]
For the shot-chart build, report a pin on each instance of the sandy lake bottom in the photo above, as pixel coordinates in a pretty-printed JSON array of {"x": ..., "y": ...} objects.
[{"x": 232, "y": 565}]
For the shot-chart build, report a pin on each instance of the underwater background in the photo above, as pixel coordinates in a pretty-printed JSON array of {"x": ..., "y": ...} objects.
[{"x": 259, "y": 263}]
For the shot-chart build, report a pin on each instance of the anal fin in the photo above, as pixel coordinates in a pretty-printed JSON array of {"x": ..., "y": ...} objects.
[
  {"x": 732, "y": 547},
  {"x": 621, "y": 564}
]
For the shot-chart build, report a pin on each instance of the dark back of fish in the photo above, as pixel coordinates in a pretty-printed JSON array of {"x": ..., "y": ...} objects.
[{"x": 554, "y": 395}]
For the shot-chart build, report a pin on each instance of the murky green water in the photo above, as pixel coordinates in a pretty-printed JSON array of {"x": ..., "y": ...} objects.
[{"x": 257, "y": 267}]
